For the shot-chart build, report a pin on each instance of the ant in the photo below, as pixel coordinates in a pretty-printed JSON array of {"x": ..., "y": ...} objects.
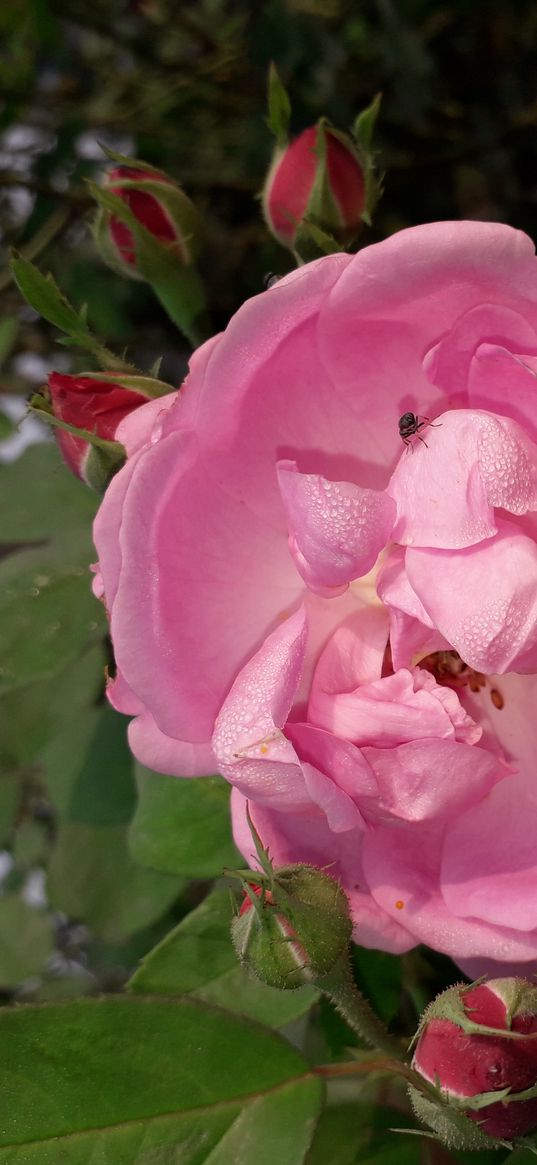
[{"x": 409, "y": 424}]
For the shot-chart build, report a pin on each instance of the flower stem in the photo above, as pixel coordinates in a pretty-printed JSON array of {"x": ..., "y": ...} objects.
[{"x": 339, "y": 986}]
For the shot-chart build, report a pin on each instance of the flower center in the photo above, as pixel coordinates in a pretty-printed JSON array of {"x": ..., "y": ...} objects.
[{"x": 450, "y": 671}]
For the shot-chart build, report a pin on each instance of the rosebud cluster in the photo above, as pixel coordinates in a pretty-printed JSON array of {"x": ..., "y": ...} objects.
[
  {"x": 477, "y": 1050},
  {"x": 294, "y": 932}
]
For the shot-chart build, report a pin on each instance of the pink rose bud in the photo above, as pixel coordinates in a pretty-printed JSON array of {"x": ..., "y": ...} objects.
[
  {"x": 298, "y": 930},
  {"x": 473, "y": 1042},
  {"x": 317, "y": 179},
  {"x": 95, "y": 405},
  {"x": 155, "y": 203}
]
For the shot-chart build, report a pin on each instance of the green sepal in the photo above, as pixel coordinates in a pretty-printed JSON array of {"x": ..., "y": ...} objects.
[
  {"x": 279, "y": 107},
  {"x": 322, "y": 222},
  {"x": 363, "y": 131},
  {"x": 452, "y": 1128},
  {"x": 104, "y": 459},
  {"x": 312, "y": 242},
  {"x": 148, "y": 386},
  {"x": 134, "y": 163},
  {"x": 450, "y": 1005}
]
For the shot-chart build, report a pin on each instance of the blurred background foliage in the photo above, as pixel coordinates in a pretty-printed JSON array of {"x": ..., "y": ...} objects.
[{"x": 96, "y": 865}]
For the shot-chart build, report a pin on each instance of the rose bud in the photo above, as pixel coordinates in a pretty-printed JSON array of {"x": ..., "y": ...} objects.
[
  {"x": 155, "y": 203},
  {"x": 317, "y": 179},
  {"x": 297, "y": 931},
  {"x": 96, "y": 406},
  {"x": 475, "y": 1041}
]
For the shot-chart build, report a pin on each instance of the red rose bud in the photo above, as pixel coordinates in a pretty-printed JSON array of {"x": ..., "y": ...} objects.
[
  {"x": 317, "y": 179},
  {"x": 96, "y": 406},
  {"x": 297, "y": 931},
  {"x": 474, "y": 1042},
  {"x": 154, "y": 202}
]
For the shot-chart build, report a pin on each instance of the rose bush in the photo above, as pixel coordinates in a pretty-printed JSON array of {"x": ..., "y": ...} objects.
[{"x": 344, "y": 628}]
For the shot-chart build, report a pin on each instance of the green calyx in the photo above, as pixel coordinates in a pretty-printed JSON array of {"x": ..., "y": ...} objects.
[
  {"x": 449, "y": 1122},
  {"x": 297, "y": 928},
  {"x": 105, "y": 458},
  {"x": 518, "y": 995}
]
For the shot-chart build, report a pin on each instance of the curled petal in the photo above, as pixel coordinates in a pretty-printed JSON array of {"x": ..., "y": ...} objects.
[
  {"x": 483, "y": 600},
  {"x": 506, "y": 383},
  {"x": 412, "y": 632},
  {"x": 448, "y": 363},
  {"x": 446, "y": 494},
  {"x": 428, "y": 779},
  {"x": 405, "y": 706},
  {"x": 336, "y": 529},
  {"x": 252, "y": 717}
]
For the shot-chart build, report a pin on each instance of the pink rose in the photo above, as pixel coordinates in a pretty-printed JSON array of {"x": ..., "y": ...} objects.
[{"x": 375, "y": 713}]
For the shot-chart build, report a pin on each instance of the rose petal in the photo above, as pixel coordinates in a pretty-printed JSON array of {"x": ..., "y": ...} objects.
[
  {"x": 175, "y": 758},
  {"x": 138, "y": 428},
  {"x": 402, "y": 869},
  {"x": 336, "y": 529},
  {"x": 449, "y": 361},
  {"x": 427, "y": 779},
  {"x": 483, "y": 600},
  {"x": 252, "y": 717},
  {"x": 505, "y": 383},
  {"x": 446, "y": 493},
  {"x": 402, "y": 707},
  {"x": 412, "y": 634},
  {"x": 489, "y": 866}
]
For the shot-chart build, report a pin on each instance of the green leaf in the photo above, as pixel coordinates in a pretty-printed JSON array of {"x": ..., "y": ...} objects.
[
  {"x": 26, "y": 940},
  {"x": 43, "y": 715},
  {"x": 103, "y": 791},
  {"x": 92, "y": 878},
  {"x": 149, "y": 1082},
  {"x": 44, "y": 295},
  {"x": 45, "y": 500},
  {"x": 279, "y": 107},
  {"x": 182, "y": 826},
  {"x": 48, "y": 615},
  {"x": 197, "y": 958},
  {"x": 92, "y": 875},
  {"x": 361, "y": 1134}
]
